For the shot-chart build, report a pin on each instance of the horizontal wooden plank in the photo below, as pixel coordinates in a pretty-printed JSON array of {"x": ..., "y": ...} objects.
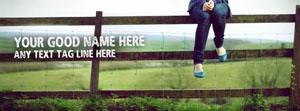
[
  {"x": 178, "y": 55},
  {"x": 188, "y": 55},
  {"x": 187, "y": 20},
  {"x": 135, "y": 20},
  {"x": 284, "y": 18},
  {"x": 268, "y": 92},
  {"x": 47, "y": 21}
]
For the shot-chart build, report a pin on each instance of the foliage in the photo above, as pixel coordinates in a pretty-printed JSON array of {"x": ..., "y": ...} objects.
[
  {"x": 263, "y": 73},
  {"x": 43, "y": 104},
  {"x": 98, "y": 103},
  {"x": 254, "y": 102}
]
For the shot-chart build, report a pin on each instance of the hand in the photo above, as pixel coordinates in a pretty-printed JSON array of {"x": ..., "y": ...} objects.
[
  {"x": 208, "y": 6},
  {"x": 211, "y": 5}
]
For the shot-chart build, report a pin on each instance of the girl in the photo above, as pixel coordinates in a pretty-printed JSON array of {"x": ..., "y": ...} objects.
[{"x": 205, "y": 13}]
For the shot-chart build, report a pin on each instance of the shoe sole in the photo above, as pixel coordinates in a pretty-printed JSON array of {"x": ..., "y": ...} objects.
[
  {"x": 199, "y": 75},
  {"x": 223, "y": 58}
]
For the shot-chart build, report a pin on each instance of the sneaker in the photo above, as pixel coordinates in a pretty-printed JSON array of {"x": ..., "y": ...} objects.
[
  {"x": 222, "y": 58},
  {"x": 198, "y": 74}
]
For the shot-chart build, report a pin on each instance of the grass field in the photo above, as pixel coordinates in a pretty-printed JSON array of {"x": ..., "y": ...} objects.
[
  {"x": 138, "y": 75},
  {"x": 147, "y": 75}
]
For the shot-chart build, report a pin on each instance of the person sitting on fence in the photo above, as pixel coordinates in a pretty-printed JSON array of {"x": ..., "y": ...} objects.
[{"x": 205, "y": 13}]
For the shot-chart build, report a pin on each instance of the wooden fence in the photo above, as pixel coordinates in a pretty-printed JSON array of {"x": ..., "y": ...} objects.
[{"x": 98, "y": 21}]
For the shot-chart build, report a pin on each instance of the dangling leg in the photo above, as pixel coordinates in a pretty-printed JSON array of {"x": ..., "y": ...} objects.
[
  {"x": 219, "y": 15},
  {"x": 203, "y": 20}
]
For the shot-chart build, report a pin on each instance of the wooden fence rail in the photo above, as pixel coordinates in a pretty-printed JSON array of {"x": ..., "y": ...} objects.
[
  {"x": 139, "y": 20},
  {"x": 172, "y": 55},
  {"x": 98, "y": 21}
]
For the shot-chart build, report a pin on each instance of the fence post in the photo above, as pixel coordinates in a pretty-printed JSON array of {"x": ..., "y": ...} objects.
[
  {"x": 295, "y": 76},
  {"x": 95, "y": 62}
]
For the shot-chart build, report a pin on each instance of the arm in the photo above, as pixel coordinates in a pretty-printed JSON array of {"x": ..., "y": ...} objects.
[{"x": 196, "y": 2}]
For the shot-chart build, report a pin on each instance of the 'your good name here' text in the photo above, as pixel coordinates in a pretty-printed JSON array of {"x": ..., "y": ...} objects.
[{"x": 26, "y": 45}]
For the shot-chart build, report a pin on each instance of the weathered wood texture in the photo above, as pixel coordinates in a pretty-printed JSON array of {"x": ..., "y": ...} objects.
[
  {"x": 150, "y": 93},
  {"x": 94, "y": 81},
  {"x": 47, "y": 21},
  {"x": 295, "y": 76},
  {"x": 187, "y": 20},
  {"x": 138, "y": 20}
]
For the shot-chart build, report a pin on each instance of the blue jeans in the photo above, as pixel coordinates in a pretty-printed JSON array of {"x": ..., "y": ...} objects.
[{"x": 217, "y": 17}]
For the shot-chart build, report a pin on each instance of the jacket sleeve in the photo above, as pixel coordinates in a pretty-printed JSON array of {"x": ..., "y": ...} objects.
[{"x": 196, "y": 2}]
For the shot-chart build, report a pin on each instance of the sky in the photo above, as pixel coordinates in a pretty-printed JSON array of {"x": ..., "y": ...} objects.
[
  {"x": 45, "y": 8},
  {"x": 67, "y": 8}
]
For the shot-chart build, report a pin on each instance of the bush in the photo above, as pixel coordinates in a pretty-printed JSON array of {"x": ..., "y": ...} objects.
[
  {"x": 255, "y": 102},
  {"x": 151, "y": 104},
  {"x": 97, "y": 103},
  {"x": 192, "y": 106},
  {"x": 128, "y": 104},
  {"x": 44, "y": 104},
  {"x": 93, "y": 104},
  {"x": 264, "y": 74}
]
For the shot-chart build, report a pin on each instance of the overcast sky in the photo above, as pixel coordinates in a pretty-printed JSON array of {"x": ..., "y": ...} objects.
[{"x": 29, "y": 8}]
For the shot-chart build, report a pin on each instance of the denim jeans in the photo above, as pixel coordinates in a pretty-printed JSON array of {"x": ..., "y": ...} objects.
[{"x": 217, "y": 17}]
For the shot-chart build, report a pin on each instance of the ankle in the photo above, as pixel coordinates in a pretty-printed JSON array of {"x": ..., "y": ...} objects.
[
  {"x": 221, "y": 51},
  {"x": 198, "y": 67}
]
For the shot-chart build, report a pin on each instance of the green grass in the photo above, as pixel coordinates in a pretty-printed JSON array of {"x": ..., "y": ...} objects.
[
  {"x": 162, "y": 75},
  {"x": 7, "y": 45}
]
